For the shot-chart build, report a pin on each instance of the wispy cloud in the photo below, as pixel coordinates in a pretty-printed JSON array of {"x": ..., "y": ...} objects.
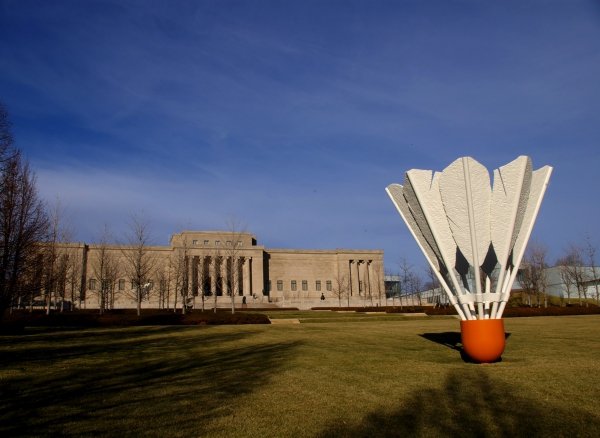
[{"x": 294, "y": 116}]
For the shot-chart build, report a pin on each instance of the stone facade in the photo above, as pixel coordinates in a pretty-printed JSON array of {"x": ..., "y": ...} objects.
[{"x": 220, "y": 263}]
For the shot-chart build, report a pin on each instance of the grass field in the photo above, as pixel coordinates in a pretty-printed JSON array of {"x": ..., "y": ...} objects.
[{"x": 330, "y": 375}]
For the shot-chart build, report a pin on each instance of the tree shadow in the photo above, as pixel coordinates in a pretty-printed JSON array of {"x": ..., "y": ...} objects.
[
  {"x": 453, "y": 340},
  {"x": 132, "y": 382},
  {"x": 470, "y": 404}
]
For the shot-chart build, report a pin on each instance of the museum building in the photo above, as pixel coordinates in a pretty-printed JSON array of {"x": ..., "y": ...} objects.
[{"x": 261, "y": 276}]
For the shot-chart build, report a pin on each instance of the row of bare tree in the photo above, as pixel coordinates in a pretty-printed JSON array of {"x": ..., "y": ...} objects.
[
  {"x": 577, "y": 268},
  {"x": 37, "y": 261},
  {"x": 178, "y": 275}
]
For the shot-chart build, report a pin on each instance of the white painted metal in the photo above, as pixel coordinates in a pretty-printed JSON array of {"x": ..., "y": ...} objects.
[
  {"x": 510, "y": 194},
  {"x": 539, "y": 183},
  {"x": 426, "y": 192},
  {"x": 395, "y": 192},
  {"x": 457, "y": 210},
  {"x": 466, "y": 193}
]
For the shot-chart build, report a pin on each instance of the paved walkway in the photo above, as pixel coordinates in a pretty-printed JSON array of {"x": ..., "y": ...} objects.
[{"x": 285, "y": 321}]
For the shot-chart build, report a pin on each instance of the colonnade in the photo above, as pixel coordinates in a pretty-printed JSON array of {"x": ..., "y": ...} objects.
[
  {"x": 360, "y": 275},
  {"x": 220, "y": 275}
]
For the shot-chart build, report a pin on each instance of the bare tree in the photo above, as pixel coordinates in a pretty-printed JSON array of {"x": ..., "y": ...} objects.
[
  {"x": 174, "y": 276},
  {"x": 434, "y": 285},
  {"x": 214, "y": 277},
  {"x": 415, "y": 286},
  {"x": 377, "y": 276},
  {"x": 341, "y": 288},
  {"x": 6, "y": 138},
  {"x": 55, "y": 256},
  {"x": 202, "y": 280},
  {"x": 163, "y": 277},
  {"x": 23, "y": 221},
  {"x": 574, "y": 270},
  {"x": 106, "y": 271},
  {"x": 181, "y": 275},
  {"x": 406, "y": 273},
  {"x": 533, "y": 278},
  {"x": 139, "y": 260},
  {"x": 566, "y": 278},
  {"x": 231, "y": 251},
  {"x": 74, "y": 271}
]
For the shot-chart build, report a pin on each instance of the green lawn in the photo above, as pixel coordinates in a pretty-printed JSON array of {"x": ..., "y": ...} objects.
[{"x": 368, "y": 377}]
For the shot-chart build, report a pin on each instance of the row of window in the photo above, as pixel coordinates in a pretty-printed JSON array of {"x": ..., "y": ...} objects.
[
  {"x": 217, "y": 243},
  {"x": 294, "y": 285}
]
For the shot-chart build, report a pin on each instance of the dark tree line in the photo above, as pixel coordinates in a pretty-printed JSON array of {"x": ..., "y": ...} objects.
[{"x": 23, "y": 220}]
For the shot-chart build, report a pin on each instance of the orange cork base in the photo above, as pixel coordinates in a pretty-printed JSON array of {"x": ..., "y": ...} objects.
[{"x": 483, "y": 340}]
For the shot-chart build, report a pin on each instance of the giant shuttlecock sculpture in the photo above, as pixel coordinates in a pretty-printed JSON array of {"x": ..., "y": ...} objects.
[{"x": 474, "y": 236}]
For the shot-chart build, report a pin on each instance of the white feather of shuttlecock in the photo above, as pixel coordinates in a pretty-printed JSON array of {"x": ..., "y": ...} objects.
[{"x": 464, "y": 224}]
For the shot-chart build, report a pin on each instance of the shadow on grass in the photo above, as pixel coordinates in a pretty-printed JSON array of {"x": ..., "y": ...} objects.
[
  {"x": 452, "y": 340},
  {"x": 159, "y": 382},
  {"x": 471, "y": 404}
]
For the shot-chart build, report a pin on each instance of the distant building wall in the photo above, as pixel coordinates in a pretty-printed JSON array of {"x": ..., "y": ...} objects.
[{"x": 281, "y": 277}]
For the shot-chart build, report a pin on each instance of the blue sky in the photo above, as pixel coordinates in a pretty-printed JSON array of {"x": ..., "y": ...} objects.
[{"x": 293, "y": 116}]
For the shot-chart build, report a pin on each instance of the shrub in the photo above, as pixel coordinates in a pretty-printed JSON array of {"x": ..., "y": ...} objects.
[{"x": 128, "y": 317}]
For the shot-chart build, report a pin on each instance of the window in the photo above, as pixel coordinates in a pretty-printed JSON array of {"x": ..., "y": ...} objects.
[
  {"x": 217, "y": 243},
  {"x": 194, "y": 242},
  {"x": 294, "y": 287},
  {"x": 121, "y": 284},
  {"x": 269, "y": 286},
  {"x": 239, "y": 243},
  {"x": 304, "y": 285},
  {"x": 279, "y": 285},
  {"x": 318, "y": 285},
  {"x": 92, "y": 285},
  {"x": 206, "y": 243},
  {"x": 133, "y": 283},
  {"x": 228, "y": 243},
  {"x": 360, "y": 286},
  {"x": 328, "y": 285}
]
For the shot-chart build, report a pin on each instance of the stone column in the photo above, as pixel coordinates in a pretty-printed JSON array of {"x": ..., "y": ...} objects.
[
  {"x": 224, "y": 276},
  {"x": 368, "y": 286},
  {"x": 212, "y": 271},
  {"x": 246, "y": 276},
  {"x": 350, "y": 287},
  {"x": 256, "y": 276},
  {"x": 235, "y": 267},
  {"x": 354, "y": 277},
  {"x": 194, "y": 273},
  {"x": 201, "y": 276},
  {"x": 359, "y": 278}
]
